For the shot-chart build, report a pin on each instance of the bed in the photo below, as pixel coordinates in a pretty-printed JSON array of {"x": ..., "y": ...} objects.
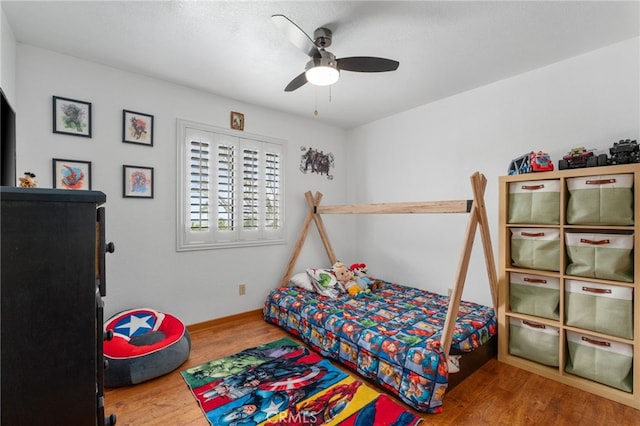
[
  {"x": 404, "y": 339},
  {"x": 390, "y": 336}
]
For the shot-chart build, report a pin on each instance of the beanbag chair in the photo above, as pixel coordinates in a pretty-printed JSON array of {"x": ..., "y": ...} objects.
[{"x": 146, "y": 344}]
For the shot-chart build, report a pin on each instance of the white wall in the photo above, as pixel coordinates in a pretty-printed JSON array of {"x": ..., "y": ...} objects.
[
  {"x": 426, "y": 153},
  {"x": 7, "y": 59},
  {"x": 429, "y": 152},
  {"x": 146, "y": 270}
]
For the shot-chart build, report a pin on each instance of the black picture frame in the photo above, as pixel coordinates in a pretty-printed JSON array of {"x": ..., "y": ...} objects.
[
  {"x": 71, "y": 174},
  {"x": 137, "y": 128},
  {"x": 71, "y": 117},
  {"x": 137, "y": 181}
]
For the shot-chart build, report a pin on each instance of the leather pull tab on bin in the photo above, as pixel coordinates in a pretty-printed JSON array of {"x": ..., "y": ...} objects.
[
  {"x": 600, "y": 181},
  {"x": 535, "y": 280},
  {"x": 594, "y": 242},
  {"x": 532, "y": 187},
  {"x": 594, "y": 341},
  {"x": 534, "y": 324},
  {"x": 532, "y": 234},
  {"x": 597, "y": 290}
]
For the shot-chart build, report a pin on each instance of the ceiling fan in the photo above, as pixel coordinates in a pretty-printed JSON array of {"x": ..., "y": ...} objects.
[{"x": 324, "y": 69}]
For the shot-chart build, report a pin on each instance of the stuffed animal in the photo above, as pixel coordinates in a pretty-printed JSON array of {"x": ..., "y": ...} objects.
[
  {"x": 345, "y": 277},
  {"x": 28, "y": 180},
  {"x": 360, "y": 274}
]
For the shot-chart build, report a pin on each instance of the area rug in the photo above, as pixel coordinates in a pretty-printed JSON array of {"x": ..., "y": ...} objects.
[{"x": 283, "y": 383}]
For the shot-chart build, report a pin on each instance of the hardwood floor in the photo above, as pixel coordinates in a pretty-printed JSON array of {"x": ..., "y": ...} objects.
[{"x": 496, "y": 394}]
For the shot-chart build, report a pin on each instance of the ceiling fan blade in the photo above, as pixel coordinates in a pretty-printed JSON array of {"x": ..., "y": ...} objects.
[
  {"x": 367, "y": 64},
  {"x": 296, "y": 83},
  {"x": 295, "y": 35}
]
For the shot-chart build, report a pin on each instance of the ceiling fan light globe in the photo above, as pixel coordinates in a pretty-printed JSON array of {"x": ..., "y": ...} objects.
[{"x": 322, "y": 75}]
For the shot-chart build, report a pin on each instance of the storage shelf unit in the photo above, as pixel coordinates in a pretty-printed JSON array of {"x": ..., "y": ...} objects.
[{"x": 506, "y": 268}]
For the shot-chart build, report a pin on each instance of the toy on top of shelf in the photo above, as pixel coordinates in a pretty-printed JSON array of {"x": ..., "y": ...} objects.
[
  {"x": 541, "y": 162},
  {"x": 520, "y": 165},
  {"x": 28, "y": 180},
  {"x": 530, "y": 162},
  {"x": 624, "y": 152},
  {"x": 581, "y": 157}
]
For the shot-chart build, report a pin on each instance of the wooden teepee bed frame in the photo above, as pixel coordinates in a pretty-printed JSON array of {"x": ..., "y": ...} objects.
[{"x": 477, "y": 219}]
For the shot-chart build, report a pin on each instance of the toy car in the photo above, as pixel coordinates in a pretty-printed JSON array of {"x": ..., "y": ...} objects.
[
  {"x": 540, "y": 162},
  {"x": 520, "y": 165},
  {"x": 624, "y": 152},
  {"x": 581, "y": 157},
  {"x": 531, "y": 162}
]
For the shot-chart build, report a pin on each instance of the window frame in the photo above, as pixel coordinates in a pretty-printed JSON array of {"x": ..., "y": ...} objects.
[{"x": 267, "y": 148}]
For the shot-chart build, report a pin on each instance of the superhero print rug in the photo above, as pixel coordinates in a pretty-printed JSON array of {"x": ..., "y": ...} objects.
[{"x": 284, "y": 384}]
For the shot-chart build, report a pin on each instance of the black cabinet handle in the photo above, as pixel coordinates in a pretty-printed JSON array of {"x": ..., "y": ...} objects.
[{"x": 110, "y": 247}]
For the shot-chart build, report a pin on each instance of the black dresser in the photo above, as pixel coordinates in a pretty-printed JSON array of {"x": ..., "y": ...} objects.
[{"x": 51, "y": 328}]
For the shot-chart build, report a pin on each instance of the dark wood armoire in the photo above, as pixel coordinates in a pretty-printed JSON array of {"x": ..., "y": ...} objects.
[{"x": 52, "y": 283}]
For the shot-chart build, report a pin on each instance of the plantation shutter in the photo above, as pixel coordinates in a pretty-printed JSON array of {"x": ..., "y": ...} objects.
[
  {"x": 227, "y": 197},
  {"x": 272, "y": 175},
  {"x": 226, "y": 171},
  {"x": 199, "y": 180},
  {"x": 250, "y": 187},
  {"x": 231, "y": 189}
]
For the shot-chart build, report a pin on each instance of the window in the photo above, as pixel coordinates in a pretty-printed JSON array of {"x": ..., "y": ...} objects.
[{"x": 230, "y": 188}]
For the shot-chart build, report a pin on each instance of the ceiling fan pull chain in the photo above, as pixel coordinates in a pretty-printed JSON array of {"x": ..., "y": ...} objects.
[{"x": 315, "y": 111}]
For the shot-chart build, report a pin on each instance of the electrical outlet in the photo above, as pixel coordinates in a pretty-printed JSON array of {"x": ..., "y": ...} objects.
[{"x": 242, "y": 289}]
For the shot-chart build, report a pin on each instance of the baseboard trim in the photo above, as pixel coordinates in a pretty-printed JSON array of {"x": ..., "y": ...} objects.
[{"x": 218, "y": 321}]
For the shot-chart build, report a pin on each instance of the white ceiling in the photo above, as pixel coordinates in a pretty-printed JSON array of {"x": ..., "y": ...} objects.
[{"x": 232, "y": 49}]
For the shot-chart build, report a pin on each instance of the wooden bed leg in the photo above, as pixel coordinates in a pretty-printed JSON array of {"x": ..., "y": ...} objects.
[
  {"x": 479, "y": 185},
  {"x": 458, "y": 286},
  {"x": 477, "y": 216},
  {"x": 312, "y": 201}
]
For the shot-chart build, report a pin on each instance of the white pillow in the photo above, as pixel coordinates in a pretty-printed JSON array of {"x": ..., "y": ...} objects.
[
  {"x": 325, "y": 282},
  {"x": 301, "y": 280}
]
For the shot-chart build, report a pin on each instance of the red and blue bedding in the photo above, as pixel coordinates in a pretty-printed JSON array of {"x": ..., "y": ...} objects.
[{"x": 391, "y": 336}]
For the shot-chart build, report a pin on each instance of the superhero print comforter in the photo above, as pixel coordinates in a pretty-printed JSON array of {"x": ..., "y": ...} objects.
[{"x": 391, "y": 336}]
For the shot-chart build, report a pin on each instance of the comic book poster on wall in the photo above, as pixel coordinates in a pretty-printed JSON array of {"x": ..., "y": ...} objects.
[{"x": 313, "y": 160}]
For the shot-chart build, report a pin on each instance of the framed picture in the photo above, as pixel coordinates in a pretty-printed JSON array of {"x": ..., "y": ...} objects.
[
  {"x": 137, "y": 182},
  {"x": 237, "y": 120},
  {"x": 71, "y": 174},
  {"x": 71, "y": 117},
  {"x": 137, "y": 128}
]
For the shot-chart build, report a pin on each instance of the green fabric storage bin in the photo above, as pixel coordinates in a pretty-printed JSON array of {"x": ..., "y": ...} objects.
[
  {"x": 599, "y": 255},
  {"x": 601, "y": 360},
  {"x": 598, "y": 307},
  {"x": 534, "y": 341},
  {"x": 534, "y": 295},
  {"x": 535, "y": 202},
  {"x": 600, "y": 200},
  {"x": 536, "y": 248}
]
